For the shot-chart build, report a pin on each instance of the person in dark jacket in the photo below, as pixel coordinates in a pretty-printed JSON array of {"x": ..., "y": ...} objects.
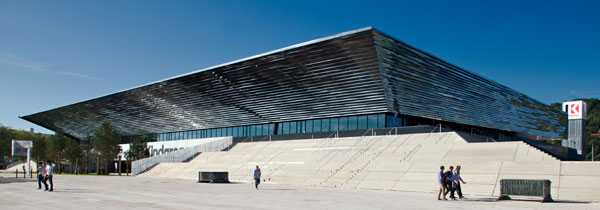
[
  {"x": 457, "y": 179},
  {"x": 449, "y": 179},
  {"x": 257, "y": 177}
]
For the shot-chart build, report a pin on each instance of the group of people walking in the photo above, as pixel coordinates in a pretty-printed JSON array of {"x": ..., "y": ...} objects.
[
  {"x": 450, "y": 182},
  {"x": 45, "y": 172}
]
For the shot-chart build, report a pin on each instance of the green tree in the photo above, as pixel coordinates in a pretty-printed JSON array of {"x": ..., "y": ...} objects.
[
  {"x": 5, "y": 141},
  {"x": 39, "y": 152},
  {"x": 137, "y": 150},
  {"x": 106, "y": 144},
  {"x": 56, "y": 148},
  {"x": 73, "y": 152}
]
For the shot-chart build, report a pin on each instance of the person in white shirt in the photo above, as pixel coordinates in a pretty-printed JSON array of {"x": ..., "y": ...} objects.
[
  {"x": 41, "y": 170},
  {"x": 457, "y": 180},
  {"x": 48, "y": 176}
]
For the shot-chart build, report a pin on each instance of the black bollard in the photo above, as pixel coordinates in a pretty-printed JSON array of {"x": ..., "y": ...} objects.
[{"x": 17, "y": 173}]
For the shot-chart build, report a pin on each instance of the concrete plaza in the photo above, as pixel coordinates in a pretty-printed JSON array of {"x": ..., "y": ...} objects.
[{"x": 113, "y": 192}]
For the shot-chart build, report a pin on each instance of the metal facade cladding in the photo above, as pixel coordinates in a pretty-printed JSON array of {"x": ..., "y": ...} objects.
[{"x": 353, "y": 73}]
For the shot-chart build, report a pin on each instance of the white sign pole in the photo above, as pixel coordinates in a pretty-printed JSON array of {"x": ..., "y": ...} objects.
[{"x": 28, "y": 161}]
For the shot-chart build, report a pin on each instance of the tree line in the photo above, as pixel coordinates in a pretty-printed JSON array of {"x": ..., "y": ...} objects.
[
  {"x": 104, "y": 148},
  {"x": 78, "y": 156}
]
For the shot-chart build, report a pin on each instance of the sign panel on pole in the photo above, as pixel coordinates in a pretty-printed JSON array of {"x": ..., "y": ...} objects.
[
  {"x": 19, "y": 147},
  {"x": 575, "y": 109}
]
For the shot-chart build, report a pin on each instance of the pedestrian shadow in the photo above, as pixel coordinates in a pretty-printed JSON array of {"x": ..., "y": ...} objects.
[
  {"x": 487, "y": 200},
  {"x": 279, "y": 189},
  {"x": 222, "y": 182},
  {"x": 72, "y": 191}
]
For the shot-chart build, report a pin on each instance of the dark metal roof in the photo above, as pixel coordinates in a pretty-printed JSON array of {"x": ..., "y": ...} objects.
[{"x": 357, "y": 72}]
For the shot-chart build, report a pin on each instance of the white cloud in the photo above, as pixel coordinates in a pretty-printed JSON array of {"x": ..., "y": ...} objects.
[
  {"x": 30, "y": 65},
  {"x": 13, "y": 60},
  {"x": 75, "y": 74}
]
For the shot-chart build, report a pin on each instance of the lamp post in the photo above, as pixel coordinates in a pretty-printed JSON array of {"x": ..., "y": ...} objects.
[{"x": 119, "y": 168}]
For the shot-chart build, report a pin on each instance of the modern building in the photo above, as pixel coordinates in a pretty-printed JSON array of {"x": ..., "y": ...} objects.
[{"x": 355, "y": 80}]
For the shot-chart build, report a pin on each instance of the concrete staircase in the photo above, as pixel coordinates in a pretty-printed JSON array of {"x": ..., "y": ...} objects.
[{"x": 394, "y": 162}]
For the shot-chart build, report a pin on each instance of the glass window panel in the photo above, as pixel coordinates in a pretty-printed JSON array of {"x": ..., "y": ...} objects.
[
  {"x": 213, "y": 132},
  {"x": 234, "y": 132},
  {"x": 265, "y": 128},
  {"x": 362, "y": 122},
  {"x": 285, "y": 128},
  {"x": 324, "y": 125},
  {"x": 343, "y": 123},
  {"x": 316, "y": 126},
  {"x": 272, "y": 128},
  {"x": 259, "y": 130},
  {"x": 334, "y": 124},
  {"x": 372, "y": 121},
  {"x": 309, "y": 126},
  {"x": 293, "y": 127},
  {"x": 301, "y": 127},
  {"x": 253, "y": 130},
  {"x": 279, "y": 128},
  {"x": 381, "y": 121},
  {"x": 352, "y": 122}
]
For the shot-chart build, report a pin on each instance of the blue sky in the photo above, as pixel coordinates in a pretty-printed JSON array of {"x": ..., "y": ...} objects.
[{"x": 55, "y": 53}]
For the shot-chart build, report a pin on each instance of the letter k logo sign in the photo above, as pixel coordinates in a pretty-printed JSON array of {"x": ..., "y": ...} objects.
[{"x": 575, "y": 109}]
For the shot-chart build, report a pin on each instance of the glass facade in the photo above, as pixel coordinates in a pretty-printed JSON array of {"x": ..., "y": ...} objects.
[
  {"x": 301, "y": 126},
  {"x": 341, "y": 82}
]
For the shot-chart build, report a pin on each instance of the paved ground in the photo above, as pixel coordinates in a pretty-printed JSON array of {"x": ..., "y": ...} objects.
[{"x": 99, "y": 192}]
